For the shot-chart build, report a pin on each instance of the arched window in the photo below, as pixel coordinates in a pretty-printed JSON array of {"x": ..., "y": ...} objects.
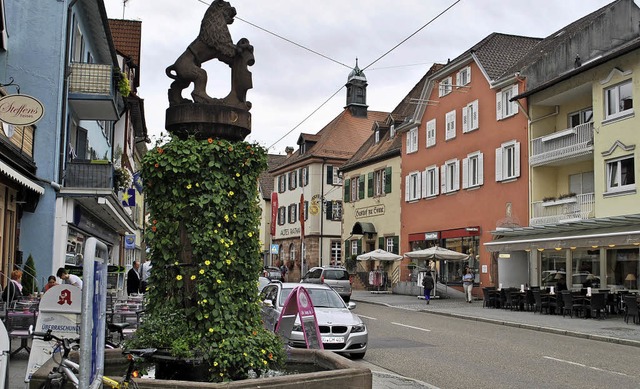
[{"x": 292, "y": 252}]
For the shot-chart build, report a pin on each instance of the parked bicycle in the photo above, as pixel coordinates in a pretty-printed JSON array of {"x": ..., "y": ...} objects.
[{"x": 67, "y": 371}]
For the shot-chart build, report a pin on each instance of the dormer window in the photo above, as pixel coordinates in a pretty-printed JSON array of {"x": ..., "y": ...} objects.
[
  {"x": 377, "y": 136},
  {"x": 392, "y": 131}
]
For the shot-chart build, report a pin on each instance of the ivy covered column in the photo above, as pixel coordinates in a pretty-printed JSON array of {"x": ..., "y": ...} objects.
[{"x": 202, "y": 197}]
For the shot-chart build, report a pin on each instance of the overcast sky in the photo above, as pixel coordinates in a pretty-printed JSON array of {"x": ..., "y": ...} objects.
[{"x": 290, "y": 82}]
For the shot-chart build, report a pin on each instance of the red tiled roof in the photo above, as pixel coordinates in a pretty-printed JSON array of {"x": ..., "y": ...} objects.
[{"x": 126, "y": 37}]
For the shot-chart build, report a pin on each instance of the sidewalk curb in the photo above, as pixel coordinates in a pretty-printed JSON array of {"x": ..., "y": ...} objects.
[{"x": 556, "y": 331}]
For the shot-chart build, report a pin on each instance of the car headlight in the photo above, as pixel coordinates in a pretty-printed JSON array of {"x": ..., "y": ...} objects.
[
  {"x": 297, "y": 328},
  {"x": 358, "y": 328}
]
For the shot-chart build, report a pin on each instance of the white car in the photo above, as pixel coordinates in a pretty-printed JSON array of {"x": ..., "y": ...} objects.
[{"x": 342, "y": 331}]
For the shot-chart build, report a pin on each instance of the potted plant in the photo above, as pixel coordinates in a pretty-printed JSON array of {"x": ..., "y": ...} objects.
[{"x": 121, "y": 178}]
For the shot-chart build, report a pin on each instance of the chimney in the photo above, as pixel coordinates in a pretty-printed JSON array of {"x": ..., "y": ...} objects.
[{"x": 288, "y": 150}]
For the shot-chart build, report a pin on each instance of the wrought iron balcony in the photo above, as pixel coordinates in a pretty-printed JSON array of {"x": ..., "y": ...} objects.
[
  {"x": 564, "y": 210},
  {"x": 563, "y": 145},
  {"x": 89, "y": 175},
  {"x": 92, "y": 91}
]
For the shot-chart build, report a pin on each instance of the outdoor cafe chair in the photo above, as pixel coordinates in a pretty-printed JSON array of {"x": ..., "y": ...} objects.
[
  {"x": 541, "y": 303},
  {"x": 570, "y": 304},
  {"x": 631, "y": 309},
  {"x": 489, "y": 299},
  {"x": 599, "y": 305}
]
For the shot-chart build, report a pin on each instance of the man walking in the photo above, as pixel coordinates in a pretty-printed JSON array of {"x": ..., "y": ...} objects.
[
  {"x": 145, "y": 272},
  {"x": 133, "y": 279}
]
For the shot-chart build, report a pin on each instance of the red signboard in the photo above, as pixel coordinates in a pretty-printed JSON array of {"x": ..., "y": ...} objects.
[
  {"x": 274, "y": 212},
  {"x": 299, "y": 303},
  {"x": 301, "y": 216}
]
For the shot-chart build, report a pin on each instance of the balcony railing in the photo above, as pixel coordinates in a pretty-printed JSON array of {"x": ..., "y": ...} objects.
[
  {"x": 561, "y": 211},
  {"x": 89, "y": 175},
  {"x": 92, "y": 92},
  {"x": 569, "y": 143}
]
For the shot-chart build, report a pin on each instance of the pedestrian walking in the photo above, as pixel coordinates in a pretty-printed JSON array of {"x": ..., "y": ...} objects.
[
  {"x": 145, "y": 273},
  {"x": 427, "y": 284},
  {"x": 133, "y": 279},
  {"x": 467, "y": 284}
]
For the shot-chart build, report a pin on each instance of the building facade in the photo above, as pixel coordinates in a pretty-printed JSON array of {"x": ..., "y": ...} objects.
[
  {"x": 464, "y": 162},
  {"x": 583, "y": 154},
  {"x": 307, "y": 205}
]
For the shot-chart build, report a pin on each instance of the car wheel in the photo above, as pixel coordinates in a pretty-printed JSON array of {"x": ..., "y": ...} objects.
[{"x": 357, "y": 355}]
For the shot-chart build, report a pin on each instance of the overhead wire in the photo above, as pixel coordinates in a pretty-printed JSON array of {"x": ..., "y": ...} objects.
[{"x": 336, "y": 61}]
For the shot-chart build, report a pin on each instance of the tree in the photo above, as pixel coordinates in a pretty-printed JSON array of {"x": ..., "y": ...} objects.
[{"x": 29, "y": 277}]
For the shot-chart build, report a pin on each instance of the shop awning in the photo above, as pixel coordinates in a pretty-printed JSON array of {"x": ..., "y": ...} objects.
[
  {"x": 104, "y": 205},
  {"x": 20, "y": 178},
  {"x": 362, "y": 228},
  {"x": 617, "y": 236}
]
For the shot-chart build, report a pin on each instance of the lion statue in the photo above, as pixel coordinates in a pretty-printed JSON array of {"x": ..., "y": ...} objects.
[{"x": 213, "y": 41}]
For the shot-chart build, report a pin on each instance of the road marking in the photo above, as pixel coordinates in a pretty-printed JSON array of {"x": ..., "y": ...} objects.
[
  {"x": 368, "y": 317},
  {"x": 415, "y": 328},
  {"x": 585, "y": 366}
]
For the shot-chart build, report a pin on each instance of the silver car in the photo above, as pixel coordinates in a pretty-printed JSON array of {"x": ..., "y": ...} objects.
[
  {"x": 342, "y": 331},
  {"x": 336, "y": 277}
]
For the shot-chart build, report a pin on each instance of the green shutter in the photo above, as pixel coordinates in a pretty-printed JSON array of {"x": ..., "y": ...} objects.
[
  {"x": 329, "y": 174},
  {"x": 347, "y": 249},
  {"x": 359, "y": 246},
  {"x": 370, "y": 184},
  {"x": 361, "y": 187},
  {"x": 387, "y": 180},
  {"x": 381, "y": 243},
  {"x": 396, "y": 245},
  {"x": 347, "y": 190}
]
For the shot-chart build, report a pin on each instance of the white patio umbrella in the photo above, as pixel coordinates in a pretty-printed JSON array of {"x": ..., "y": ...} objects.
[
  {"x": 436, "y": 253},
  {"x": 379, "y": 255}
]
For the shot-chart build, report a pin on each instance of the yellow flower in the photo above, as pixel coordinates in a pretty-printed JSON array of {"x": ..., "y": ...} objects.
[
  {"x": 197, "y": 184},
  {"x": 250, "y": 234},
  {"x": 176, "y": 263},
  {"x": 219, "y": 225},
  {"x": 221, "y": 240},
  {"x": 215, "y": 363},
  {"x": 201, "y": 271},
  {"x": 189, "y": 186},
  {"x": 226, "y": 245},
  {"x": 221, "y": 374},
  {"x": 215, "y": 231},
  {"x": 219, "y": 282},
  {"x": 193, "y": 277},
  {"x": 230, "y": 193},
  {"x": 206, "y": 316},
  {"x": 211, "y": 330},
  {"x": 179, "y": 277},
  {"x": 204, "y": 301},
  {"x": 263, "y": 351},
  {"x": 264, "y": 361},
  {"x": 226, "y": 218},
  {"x": 245, "y": 354},
  {"x": 237, "y": 174},
  {"x": 234, "y": 216},
  {"x": 228, "y": 262}
]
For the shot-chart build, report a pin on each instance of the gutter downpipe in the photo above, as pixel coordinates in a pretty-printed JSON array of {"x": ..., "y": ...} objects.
[
  {"x": 322, "y": 216},
  {"x": 65, "y": 91}
]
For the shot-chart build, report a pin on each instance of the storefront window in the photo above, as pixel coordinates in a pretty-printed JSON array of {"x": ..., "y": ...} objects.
[
  {"x": 585, "y": 268},
  {"x": 452, "y": 271},
  {"x": 553, "y": 265},
  {"x": 623, "y": 268}
]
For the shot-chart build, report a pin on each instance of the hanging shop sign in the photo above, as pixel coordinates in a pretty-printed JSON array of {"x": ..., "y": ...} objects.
[{"x": 20, "y": 110}]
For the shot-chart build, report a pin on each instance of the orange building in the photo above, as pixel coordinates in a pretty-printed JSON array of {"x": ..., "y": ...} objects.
[{"x": 464, "y": 163}]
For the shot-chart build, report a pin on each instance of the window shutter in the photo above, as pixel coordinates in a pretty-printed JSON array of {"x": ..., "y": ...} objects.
[
  {"x": 436, "y": 177},
  {"x": 381, "y": 243},
  {"x": 328, "y": 211},
  {"x": 474, "y": 119},
  {"x": 306, "y": 210},
  {"x": 396, "y": 245},
  {"x": 458, "y": 82},
  {"x": 514, "y": 105},
  {"x": 407, "y": 191},
  {"x": 370, "y": 184},
  {"x": 517, "y": 159},
  {"x": 359, "y": 246},
  {"x": 456, "y": 177},
  {"x": 465, "y": 173},
  {"x": 329, "y": 174},
  {"x": 468, "y": 69},
  {"x": 347, "y": 190},
  {"x": 424, "y": 183},
  {"x": 498, "y": 105},
  {"x": 499, "y": 164},
  {"x": 347, "y": 249},
  {"x": 361, "y": 187},
  {"x": 387, "y": 180},
  {"x": 443, "y": 178},
  {"x": 480, "y": 169},
  {"x": 465, "y": 120}
]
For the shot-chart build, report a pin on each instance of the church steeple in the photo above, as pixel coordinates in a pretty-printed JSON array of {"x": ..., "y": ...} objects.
[{"x": 357, "y": 92}]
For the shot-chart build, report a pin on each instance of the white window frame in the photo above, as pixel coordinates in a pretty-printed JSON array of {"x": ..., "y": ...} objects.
[
  {"x": 388, "y": 244},
  {"x": 470, "y": 117},
  {"x": 450, "y": 120},
  {"x": 379, "y": 182},
  {"x": 615, "y": 175},
  {"x": 412, "y": 186},
  {"x": 376, "y": 136},
  {"x": 336, "y": 251},
  {"x": 508, "y": 161},
  {"x": 463, "y": 77},
  {"x": 445, "y": 86},
  {"x": 504, "y": 107},
  {"x": 337, "y": 176},
  {"x": 430, "y": 182},
  {"x": 392, "y": 131},
  {"x": 354, "y": 247},
  {"x": 450, "y": 176},
  {"x": 412, "y": 140},
  {"x": 613, "y": 93},
  {"x": 355, "y": 183},
  {"x": 473, "y": 170},
  {"x": 431, "y": 133}
]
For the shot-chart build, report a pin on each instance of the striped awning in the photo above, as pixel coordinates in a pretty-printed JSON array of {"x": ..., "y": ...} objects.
[{"x": 20, "y": 178}]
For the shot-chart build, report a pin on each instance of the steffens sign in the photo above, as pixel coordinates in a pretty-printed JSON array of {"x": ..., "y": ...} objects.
[{"x": 20, "y": 110}]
